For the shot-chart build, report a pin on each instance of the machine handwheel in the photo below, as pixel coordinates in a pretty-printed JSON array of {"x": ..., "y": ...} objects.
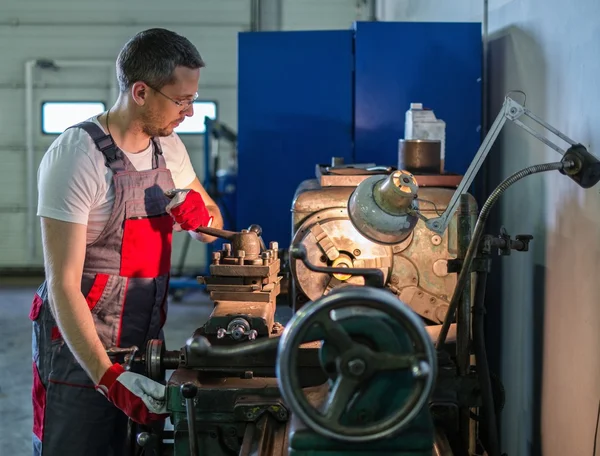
[
  {"x": 356, "y": 363},
  {"x": 155, "y": 351}
]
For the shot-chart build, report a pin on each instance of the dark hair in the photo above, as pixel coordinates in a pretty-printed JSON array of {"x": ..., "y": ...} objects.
[{"x": 151, "y": 56}]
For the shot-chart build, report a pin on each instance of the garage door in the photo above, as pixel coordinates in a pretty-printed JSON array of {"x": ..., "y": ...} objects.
[{"x": 78, "y": 37}]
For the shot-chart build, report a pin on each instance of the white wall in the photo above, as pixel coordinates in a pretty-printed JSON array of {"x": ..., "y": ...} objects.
[
  {"x": 550, "y": 50},
  {"x": 88, "y": 29}
]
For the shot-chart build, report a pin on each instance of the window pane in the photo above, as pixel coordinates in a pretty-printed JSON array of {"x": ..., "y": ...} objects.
[
  {"x": 57, "y": 116},
  {"x": 195, "y": 124}
]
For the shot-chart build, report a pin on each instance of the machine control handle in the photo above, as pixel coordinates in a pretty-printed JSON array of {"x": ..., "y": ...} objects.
[
  {"x": 223, "y": 234},
  {"x": 189, "y": 392},
  {"x": 201, "y": 346},
  {"x": 373, "y": 277}
]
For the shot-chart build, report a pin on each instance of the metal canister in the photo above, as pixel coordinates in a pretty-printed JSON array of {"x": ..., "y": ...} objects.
[{"x": 420, "y": 156}]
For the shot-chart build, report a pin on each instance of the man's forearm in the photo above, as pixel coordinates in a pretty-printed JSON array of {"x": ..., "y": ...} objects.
[{"x": 77, "y": 327}]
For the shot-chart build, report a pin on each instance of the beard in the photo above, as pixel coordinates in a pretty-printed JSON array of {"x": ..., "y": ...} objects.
[{"x": 152, "y": 125}]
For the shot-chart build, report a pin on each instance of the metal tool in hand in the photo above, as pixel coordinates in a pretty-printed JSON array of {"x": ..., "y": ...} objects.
[
  {"x": 128, "y": 352},
  {"x": 249, "y": 240}
]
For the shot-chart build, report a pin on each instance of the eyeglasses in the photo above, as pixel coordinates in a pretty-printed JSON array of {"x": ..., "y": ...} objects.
[{"x": 182, "y": 104}]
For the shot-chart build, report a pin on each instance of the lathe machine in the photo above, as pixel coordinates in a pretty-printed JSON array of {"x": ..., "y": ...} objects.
[{"x": 384, "y": 353}]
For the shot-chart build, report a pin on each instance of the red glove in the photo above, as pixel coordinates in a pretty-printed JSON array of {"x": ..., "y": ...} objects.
[
  {"x": 188, "y": 209},
  {"x": 140, "y": 398}
]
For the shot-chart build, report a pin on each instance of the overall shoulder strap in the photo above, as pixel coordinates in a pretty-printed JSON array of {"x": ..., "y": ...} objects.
[
  {"x": 104, "y": 142},
  {"x": 158, "y": 160}
]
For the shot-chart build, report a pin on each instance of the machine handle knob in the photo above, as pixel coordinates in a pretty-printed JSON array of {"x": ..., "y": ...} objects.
[
  {"x": 255, "y": 228},
  {"x": 189, "y": 390}
]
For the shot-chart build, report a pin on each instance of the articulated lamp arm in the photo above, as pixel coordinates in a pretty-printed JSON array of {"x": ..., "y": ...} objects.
[{"x": 586, "y": 171}]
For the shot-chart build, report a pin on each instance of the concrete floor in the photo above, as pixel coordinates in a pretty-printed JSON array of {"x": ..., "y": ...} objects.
[{"x": 15, "y": 356}]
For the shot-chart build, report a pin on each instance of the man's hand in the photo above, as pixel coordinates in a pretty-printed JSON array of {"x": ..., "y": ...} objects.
[
  {"x": 140, "y": 398},
  {"x": 189, "y": 210}
]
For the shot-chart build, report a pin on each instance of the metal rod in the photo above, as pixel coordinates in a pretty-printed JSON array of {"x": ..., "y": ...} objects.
[
  {"x": 30, "y": 160},
  {"x": 439, "y": 224},
  {"x": 546, "y": 125},
  {"x": 463, "y": 317},
  {"x": 189, "y": 391},
  {"x": 441, "y": 446},
  {"x": 543, "y": 139},
  {"x": 191, "y": 419}
]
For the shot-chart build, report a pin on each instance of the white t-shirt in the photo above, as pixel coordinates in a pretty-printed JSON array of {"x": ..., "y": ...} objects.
[{"x": 75, "y": 185}]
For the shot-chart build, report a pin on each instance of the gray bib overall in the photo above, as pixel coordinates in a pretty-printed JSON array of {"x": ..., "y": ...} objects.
[{"x": 125, "y": 283}]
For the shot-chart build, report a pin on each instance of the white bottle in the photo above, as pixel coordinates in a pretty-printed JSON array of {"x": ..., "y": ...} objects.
[{"x": 422, "y": 124}]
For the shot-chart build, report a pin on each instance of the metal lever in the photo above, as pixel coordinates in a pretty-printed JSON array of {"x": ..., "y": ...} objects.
[
  {"x": 189, "y": 391},
  {"x": 373, "y": 277},
  {"x": 200, "y": 346},
  {"x": 258, "y": 230}
]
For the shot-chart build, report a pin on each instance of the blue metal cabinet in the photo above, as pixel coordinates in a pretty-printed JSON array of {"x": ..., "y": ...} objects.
[
  {"x": 294, "y": 111},
  {"x": 437, "y": 64},
  {"x": 304, "y": 97}
]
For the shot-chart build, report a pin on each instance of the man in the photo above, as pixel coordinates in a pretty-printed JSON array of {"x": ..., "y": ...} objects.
[{"x": 106, "y": 230}]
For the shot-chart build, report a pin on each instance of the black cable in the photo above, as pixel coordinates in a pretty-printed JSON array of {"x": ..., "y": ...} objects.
[
  {"x": 488, "y": 407},
  {"x": 596, "y": 434},
  {"x": 465, "y": 270}
]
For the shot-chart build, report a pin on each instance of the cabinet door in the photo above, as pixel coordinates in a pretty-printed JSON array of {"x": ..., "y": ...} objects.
[
  {"x": 437, "y": 64},
  {"x": 294, "y": 111}
]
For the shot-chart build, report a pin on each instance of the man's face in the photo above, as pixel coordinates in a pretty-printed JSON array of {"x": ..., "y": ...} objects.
[{"x": 162, "y": 114}]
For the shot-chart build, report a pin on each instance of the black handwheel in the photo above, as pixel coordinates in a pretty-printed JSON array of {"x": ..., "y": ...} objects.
[{"x": 356, "y": 363}]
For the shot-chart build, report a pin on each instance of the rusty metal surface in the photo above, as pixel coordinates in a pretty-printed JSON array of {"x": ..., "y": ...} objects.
[
  {"x": 266, "y": 437},
  {"x": 425, "y": 304},
  {"x": 244, "y": 288},
  {"x": 245, "y": 270},
  {"x": 260, "y": 315},
  {"x": 266, "y": 294},
  {"x": 419, "y": 262}
]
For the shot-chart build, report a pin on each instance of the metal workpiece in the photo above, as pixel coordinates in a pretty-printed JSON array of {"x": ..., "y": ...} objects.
[
  {"x": 421, "y": 156},
  {"x": 384, "y": 208}
]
